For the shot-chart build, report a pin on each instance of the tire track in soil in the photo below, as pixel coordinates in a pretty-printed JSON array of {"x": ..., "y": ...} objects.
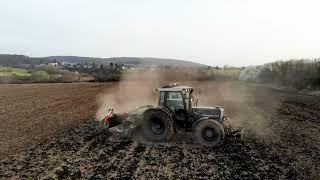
[
  {"x": 161, "y": 161},
  {"x": 100, "y": 162},
  {"x": 196, "y": 167},
  {"x": 128, "y": 165},
  {"x": 53, "y": 172},
  {"x": 108, "y": 159},
  {"x": 298, "y": 129},
  {"x": 138, "y": 173}
]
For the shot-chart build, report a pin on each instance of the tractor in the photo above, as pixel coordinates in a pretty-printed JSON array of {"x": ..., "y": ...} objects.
[{"x": 176, "y": 112}]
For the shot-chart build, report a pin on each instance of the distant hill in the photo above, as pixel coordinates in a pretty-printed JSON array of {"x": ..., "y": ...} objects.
[
  {"x": 145, "y": 61},
  {"x": 16, "y": 60}
]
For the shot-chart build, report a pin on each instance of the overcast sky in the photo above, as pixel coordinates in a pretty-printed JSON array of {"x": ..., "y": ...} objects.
[{"x": 233, "y": 32}]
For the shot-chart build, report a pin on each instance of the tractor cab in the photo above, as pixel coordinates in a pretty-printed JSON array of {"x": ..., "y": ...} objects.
[{"x": 178, "y": 99}]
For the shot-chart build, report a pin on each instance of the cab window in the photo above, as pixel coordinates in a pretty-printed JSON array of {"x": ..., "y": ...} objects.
[
  {"x": 174, "y": 101},
  {"x": 174, "y": 96}
]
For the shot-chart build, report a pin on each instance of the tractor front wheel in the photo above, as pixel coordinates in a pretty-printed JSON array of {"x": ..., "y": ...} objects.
[
  {"x": 157, "y": 126},
  {"x": 208, "y": 133}
]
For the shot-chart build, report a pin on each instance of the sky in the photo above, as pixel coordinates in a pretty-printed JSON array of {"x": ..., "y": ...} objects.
[{"x": 212, "y": 32}]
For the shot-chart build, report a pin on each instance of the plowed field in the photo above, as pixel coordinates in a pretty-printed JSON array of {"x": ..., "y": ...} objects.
[{"x": 47, "y": 131}]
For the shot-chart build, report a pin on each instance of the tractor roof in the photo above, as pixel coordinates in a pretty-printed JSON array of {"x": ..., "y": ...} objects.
[{"x": 176, "y": 88}]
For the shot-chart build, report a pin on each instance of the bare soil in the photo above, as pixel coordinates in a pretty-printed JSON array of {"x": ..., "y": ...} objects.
[
  {"x": 29, "y": 113},
  {"x": 48, "y": 131}
]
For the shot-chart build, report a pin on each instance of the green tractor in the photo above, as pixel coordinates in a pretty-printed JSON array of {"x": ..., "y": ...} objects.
[{"x": 177, "y": 111}]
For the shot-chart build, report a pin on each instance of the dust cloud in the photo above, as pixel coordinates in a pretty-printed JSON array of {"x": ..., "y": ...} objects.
[
  {"x": 133, "y": 90},
  {"x": 249, "y": 106}
]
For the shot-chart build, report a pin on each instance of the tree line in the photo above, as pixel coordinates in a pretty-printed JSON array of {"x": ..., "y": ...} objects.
[
  {"x": 100, "y": 72},
  {"x": 299, "y": 74}
]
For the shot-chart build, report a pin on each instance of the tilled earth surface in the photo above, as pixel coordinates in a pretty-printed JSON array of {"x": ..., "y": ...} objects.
[{"x": 291, "y": 150}]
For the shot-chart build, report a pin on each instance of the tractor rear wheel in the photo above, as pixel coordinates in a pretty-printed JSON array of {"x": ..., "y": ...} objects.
[
  {"x": 208, "y": 133},
  {"x": 157, "y": 126}
]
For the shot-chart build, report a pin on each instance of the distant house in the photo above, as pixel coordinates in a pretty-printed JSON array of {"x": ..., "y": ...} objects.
[{"x": 52, "y": 64}]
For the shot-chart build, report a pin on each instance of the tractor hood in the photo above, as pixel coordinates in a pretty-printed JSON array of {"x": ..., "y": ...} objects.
[{"x": 212, "y": 112}]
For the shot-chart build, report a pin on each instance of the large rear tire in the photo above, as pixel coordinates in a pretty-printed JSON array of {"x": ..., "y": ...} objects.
[
  {"x": 208, "y": 133},
  {"x": 157, "y": 126}
]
